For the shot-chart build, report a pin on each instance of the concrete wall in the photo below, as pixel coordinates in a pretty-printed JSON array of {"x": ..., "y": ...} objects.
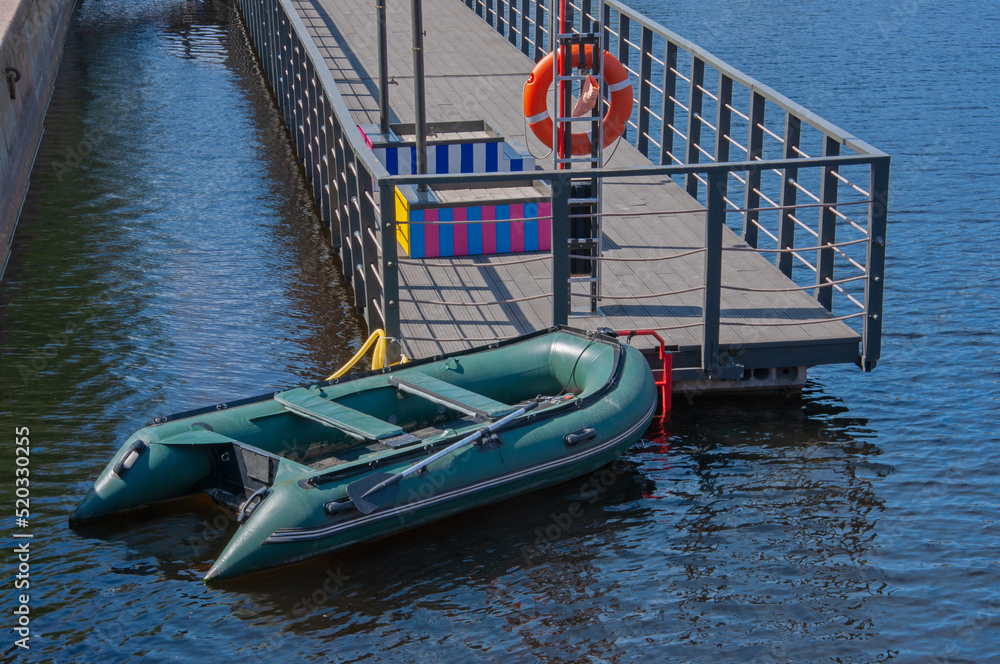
[{"x": 32, "y": 33}]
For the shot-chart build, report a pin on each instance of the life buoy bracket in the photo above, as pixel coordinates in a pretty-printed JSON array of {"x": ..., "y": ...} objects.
[{"x": 536, "y": 92}]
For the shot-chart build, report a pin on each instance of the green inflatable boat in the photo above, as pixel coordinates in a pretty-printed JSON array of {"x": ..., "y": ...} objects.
[{"x": 312, "y": 470}]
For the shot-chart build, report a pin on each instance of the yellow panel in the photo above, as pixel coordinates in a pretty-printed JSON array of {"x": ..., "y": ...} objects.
[{"x": 403, "y": 216}]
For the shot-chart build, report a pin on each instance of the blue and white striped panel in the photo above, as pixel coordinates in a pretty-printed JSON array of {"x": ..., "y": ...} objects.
[{"x": 475, "y": 157}]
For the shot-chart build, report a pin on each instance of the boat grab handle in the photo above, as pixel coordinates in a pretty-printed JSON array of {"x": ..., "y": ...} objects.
[
  {"x": 128, "y": 459},
  {"x": 582, "y": 436},
  {"x": 252, "y": 503}
]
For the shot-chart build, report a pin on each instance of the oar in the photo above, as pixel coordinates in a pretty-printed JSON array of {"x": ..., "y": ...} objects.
[{"x": 377, "y": 489}]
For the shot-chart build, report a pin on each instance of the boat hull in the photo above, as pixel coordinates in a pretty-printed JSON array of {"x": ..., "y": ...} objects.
[{"x": 600, "y": 398}]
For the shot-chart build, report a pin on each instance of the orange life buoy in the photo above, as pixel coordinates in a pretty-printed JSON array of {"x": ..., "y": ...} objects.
[{"x": 536, "y": 92}]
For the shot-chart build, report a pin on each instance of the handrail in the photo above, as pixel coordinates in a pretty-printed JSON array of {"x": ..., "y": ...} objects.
[
  {"x": 828, "y": 128},
  {"x": 682, "y": 169},
  {"x": 339, "y": 108}
]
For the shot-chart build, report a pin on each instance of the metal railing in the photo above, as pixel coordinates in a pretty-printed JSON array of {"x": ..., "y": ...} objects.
[
  {"x": 751, "y": 183},
  {"x": 691, "y": 107}
]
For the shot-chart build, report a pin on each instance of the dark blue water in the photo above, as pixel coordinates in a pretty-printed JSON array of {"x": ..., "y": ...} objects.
[{"x": 169, "y": 256}]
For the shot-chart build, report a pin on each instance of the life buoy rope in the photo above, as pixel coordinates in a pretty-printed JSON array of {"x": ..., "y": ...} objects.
[{"x": 536, "y": 92}]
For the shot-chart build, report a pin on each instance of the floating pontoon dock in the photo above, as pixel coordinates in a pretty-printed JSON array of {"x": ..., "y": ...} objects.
[{"x": 745, "y": 229}]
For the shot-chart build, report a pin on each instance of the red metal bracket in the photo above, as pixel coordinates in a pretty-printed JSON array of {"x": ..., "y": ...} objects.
[{"x": 666, "y": 379}]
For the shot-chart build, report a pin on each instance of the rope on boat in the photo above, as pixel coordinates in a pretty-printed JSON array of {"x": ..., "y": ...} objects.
[
  {"x": 798, "y": 322},
  {"x": 640, "y": 297},
  {"x": 790, "y": 250},
  {"x": 637, "y": 259},
  {"x": 772, "y": 208},
  {"x": 614, "y": 259},
  {"x": 791, "y": 289},
  {"x": 666, "y": 328},
  {"x": 684, "y": 254},
  {"x": 676, "y": 327},
  {"x": 796, "y": 288},
  {"x": 458, "y": 339},
  {"x": 475, "y": 304}
]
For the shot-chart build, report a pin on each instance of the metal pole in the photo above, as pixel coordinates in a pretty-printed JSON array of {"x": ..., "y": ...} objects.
[
  {"x": 420, "y": 110},
  {"x": 871, "y": 344},
  {"x": 383, "y": 69},
  {"x": 560, "y": 250},
  {"x": 715, "y": 221}
]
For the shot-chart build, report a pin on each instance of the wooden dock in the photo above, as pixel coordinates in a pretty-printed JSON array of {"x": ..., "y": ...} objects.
[{"x": 654, "y": 231}]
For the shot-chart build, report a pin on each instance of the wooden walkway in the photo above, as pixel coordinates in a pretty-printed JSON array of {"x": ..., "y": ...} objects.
[{"x": 473, "y": 73}]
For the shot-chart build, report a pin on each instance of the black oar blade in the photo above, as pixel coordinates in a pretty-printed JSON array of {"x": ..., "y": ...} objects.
[{"x": 376, "y": 499}]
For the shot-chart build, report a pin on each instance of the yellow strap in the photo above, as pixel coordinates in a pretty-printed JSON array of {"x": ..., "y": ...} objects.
[{"x": 377, "y": 338}]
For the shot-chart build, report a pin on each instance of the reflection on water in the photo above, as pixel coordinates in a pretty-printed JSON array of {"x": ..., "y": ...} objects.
[{"x": 169, "y": 256}]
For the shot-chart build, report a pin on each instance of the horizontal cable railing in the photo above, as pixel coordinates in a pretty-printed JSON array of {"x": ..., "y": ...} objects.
[{"x": 690, "y": 110}]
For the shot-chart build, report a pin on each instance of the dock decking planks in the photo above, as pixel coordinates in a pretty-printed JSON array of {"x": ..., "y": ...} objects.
[{"x": 474, "y": 73}]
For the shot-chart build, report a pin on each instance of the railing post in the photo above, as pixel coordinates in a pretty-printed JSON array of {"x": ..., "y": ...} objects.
[
  {"x": 606, "y": 27},
  {"x": 249, "y": 12},
  {"x": 295, "y": 82},
  {"x": 723, "y": 119},
  {"x": 755, "y": 152},
  {"x": 369, "y": 249},
  {"x": 786, "y": 227},
  {"x": 390, "y": 267},
  {"x": 723, "y": 124},
  {"x": 383, "y": 66},
  {"x": 512, "y": 21},
  {"x": 871, "y": 340},
  {"x": 624, "y": 26},
  {"x": 310, "y": 129},
  {"x": 491, "y": 14},
  {"x": 560, "y": 250},
  {"x": 323, "y": 181},
  {"x": 645, "y": 74},
  {"x": 525, "y": 26},
  {"x": 586, "y": 11},
  {"x": 276, "y": 46},
  {"x": 349, "y": 217},
  {"x": 263, "y": 29},
  {"x": 668, "y": 110},
  {"x": 715, "y": 219},
  {"x": 299, "y": 101},
  {"x": 273, "y": 44},
  {"x": 356, "y": 268},
  {"x": 694, "y": 123},
  {"x": 540, "y": 49},
  {"x": 284, "y": 98},
  {"x": 827, "y": 226},
  {"x": 339, "y": 226}
]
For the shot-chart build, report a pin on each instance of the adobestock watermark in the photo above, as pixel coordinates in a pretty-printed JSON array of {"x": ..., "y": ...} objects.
[
  {"x": 22, "y": 537},
  {"x": 431, "y": 483},
  {"x": 333, "y": 582},
  {"x": 95, "y": 138},
  {"x": 591, "y": 491},
  {"x": 46, "y": 353},
  {"x": 212, "y": 530}
]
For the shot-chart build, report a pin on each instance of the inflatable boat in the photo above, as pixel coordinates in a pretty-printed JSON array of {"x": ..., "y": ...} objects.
[{"x": 315, "y": 469}]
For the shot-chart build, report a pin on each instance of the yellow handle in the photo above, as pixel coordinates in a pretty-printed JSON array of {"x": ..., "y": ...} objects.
[{"x": 377, "y": 338}]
